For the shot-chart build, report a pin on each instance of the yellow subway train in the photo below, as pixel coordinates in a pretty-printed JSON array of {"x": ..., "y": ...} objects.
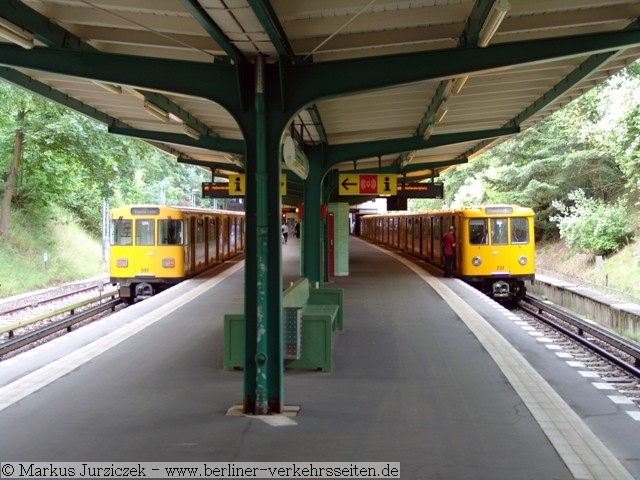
[
  {"x": 495, "y": 246},
  {"x": 154, "y": 247}
]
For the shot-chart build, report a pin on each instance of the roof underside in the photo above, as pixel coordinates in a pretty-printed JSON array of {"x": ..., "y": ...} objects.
[{"x": 322, "y": 32}]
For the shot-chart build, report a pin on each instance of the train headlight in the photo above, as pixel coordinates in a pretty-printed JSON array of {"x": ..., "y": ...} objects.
[
  {"x": 522, "y": 260},
  {"x": 122, "y": 263},
  {"x": 476, "y": 261},
  {"x": 168, "y": 262}
]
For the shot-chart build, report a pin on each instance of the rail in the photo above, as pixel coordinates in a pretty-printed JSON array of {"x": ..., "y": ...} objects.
[
  {"x": 546, "y": 313},
  {"x": 38, "y": 318},
  {"x": 66, "y": 323}
]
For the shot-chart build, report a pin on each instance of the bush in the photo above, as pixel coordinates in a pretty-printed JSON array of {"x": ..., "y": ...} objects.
[{"x": 591, "y": 224}]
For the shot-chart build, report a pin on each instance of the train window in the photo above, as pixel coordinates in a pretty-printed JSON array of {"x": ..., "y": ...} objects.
[
  {"x": 170, "y": 232},
  {"x": 121, "y": 232},
  {"x": 519, "y": 230},
  {"x": 499, "y": 231},
  {"x": 145, "y": 232},
  {"x": 478, "y": 231}
]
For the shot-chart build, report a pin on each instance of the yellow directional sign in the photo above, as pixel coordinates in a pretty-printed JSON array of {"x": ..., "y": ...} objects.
[
  {"x": 238, "y": 186},
  {"x": 367, "y": 184}
]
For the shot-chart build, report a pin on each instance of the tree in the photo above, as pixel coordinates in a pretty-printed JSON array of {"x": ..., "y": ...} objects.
[{"x": 591, "y": 224}]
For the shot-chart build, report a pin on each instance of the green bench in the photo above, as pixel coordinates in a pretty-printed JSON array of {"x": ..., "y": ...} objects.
[{"x": 321, "y": 314}]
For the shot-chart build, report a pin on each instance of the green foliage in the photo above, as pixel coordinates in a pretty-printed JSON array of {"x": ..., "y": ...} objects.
[
  {"x": 71, "y": 252},
  {"x": 72, "y": 161},
  {"x": 591, "y": 224}
]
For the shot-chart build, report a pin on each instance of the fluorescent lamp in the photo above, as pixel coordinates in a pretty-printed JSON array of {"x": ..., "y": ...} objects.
[
  {"x": 407, "y": 159},
  {"x": 110, "y": 87},
  {"x": 442, "y": 110},
  {"x": 234, "y": 159},
  {"x": 494, "y": 19},
  {"x": 191, "y": 132},
  {"x": 458, "y": 83},
  {"x": 18, "y": 35},
  {"x": 156, "y": 111},
  {"x": 427, "y": 132},
  {"x": 135, "y": 93}
]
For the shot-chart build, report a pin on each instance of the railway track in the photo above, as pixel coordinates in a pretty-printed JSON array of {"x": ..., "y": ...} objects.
[
  {"x": 32, "y": 319},
  {"x": 614, "y": 358}
]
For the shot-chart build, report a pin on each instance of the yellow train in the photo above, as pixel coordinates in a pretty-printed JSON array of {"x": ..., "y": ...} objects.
[
  {"x": 495, "y": 246},
  {"x": 154, "y": 247}
]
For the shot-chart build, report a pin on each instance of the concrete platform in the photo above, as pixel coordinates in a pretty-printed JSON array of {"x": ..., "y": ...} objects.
[{"x": 420, "y": 378}]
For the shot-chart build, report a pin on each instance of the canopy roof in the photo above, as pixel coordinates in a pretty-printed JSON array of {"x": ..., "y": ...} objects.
[{"x": 460, "y": 74}]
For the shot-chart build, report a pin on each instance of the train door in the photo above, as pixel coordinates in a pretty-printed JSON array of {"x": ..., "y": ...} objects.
[
  {"x": 216, "y": 236},
  {"x": 450, "y": 221},
  {"x": 207, "y": 221},
  {"x": 200, "y": 257},
  {"x": 192, "y": 243},
  {"x": 407, "y": 240},
  {"x": 498, "y": 261},
  {"x": 416, "y": 235},
  {"x": 224, "y": 237},
  {"x": 436, "y": 237},
  {"x": 144, "y": 247},
  {"x": 232, "y": 235},
  {"x": 424, "y": 232}
]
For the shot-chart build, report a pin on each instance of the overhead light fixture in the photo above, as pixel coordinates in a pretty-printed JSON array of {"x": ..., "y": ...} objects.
[
  {"x": 135, "y": 93},
  {"x": 494, "y": 19},
  {"x": 156, "y": 111},
  {"x": 458, "y": 83},
  {"x": 428, "y": 132},
  {"x": 442, "y": 110},
  {"x": 234, "y": 159},
  {"x": 110, "y": 87},
  {"x": 16, "y": 34},
  {"x": 191, "y": 132},
  {"x": 407, "y": 159}
]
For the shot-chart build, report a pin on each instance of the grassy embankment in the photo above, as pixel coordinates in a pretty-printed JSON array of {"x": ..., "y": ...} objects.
[{"x": 72, "y": 254}]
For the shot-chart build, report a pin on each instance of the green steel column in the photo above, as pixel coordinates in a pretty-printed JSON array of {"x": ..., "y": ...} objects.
[
  {"x": 312, "y": 224},
  {"x": 263, "y": 376}
]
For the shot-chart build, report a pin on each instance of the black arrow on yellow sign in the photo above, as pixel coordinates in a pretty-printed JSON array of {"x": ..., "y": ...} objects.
[{"x": 346, "y": 183}]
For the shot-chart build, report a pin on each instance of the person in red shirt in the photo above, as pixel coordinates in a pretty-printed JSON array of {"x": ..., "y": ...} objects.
[{"x": 448, "y": 244}]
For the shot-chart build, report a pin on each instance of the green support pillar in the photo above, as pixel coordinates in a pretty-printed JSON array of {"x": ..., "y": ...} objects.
[
  {"x": 312, "y": 223},
  {"x": 263, "y": 375}
]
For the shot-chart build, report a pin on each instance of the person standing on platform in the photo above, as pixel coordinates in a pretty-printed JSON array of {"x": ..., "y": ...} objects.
[
  {"x": 285, "y": 233},
  {"x": 448, "y": 244}
]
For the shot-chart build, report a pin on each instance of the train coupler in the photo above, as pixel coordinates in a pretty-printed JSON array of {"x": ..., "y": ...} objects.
[{"x": 500, "y": 290}]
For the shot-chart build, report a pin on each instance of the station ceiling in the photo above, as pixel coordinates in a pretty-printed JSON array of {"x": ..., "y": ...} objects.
[{"x": 484, "y": 70}]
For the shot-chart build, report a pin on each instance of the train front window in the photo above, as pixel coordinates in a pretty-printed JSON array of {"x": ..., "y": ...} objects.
[
  {"x": 170, "y": 232},
  {"x": 145, "y": 232},
  {"x": 499, "y": 231},
  {"x": 519, "y": 231},
  {"x": 121, "y": 232},
  {"x": 478, "y": 231}
]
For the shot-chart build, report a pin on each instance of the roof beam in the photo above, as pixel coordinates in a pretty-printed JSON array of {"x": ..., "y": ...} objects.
[
  {"x": 345, "y": 77},
  {"x": 337, "y": 154},
  {"x": 212, "y": 165},
  {"x": 210, "y": 143},
  {"x": 269, "y": 21},
  {"x": 214, "y": 31}
]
